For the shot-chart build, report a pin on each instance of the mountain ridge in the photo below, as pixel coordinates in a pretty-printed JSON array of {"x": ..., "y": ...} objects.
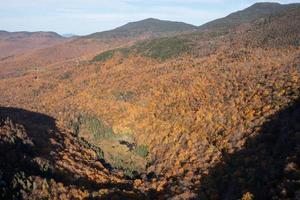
[
  {"x": 255, "y": 11},
  {"x": 133, "y": 32},
  {"x": 30, "y": 34},
  {"x": 150, "y": 26},
  {"x": 12, "y": 43}
]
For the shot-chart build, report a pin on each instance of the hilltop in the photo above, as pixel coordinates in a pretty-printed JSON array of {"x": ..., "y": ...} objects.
[
  {"x": 148, "y": 27},
  {"x": 25, "y": 34},
  {"x": 254, "y": 12},
  {"x": 12, "y": 43},
  {"x": 277, "y": 29}
]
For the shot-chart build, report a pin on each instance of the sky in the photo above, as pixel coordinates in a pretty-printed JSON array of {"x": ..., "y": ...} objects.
[{"x": 83, "y": 17}]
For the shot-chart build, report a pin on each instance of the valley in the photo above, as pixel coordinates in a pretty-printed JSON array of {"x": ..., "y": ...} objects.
[{"x": 156, "y": 110}]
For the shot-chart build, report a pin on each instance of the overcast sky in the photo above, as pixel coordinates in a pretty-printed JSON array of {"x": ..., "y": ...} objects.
[{"x": 89, "y": 16}]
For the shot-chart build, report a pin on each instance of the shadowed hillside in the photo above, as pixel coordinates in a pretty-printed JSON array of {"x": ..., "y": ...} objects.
[
  {"x": 35, "y": 161},
  {"x": 268, "y": 167}
]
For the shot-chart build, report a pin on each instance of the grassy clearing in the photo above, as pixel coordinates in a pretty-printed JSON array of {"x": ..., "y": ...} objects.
[
  {"x": 119, "y": 150},
  {"x": 142, "y": 150},
  {"x": 91, "y": 126}
]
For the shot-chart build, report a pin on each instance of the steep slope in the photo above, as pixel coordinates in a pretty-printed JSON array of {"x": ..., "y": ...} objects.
[
  {"x": 247, "y": 15},
  {"x": 275, "y": 31},
  {"x": 39, "y": 161},
  {"x": 20, "y": 42}
]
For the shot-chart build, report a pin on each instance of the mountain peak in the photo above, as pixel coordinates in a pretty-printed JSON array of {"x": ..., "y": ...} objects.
[
  {"x": 265, "y": 4},
  {"x": 265, "y": 7},
  {"x": 157, "y": 25},
  {"x": 247, "y": 15},
  {"x": 149, "y": 26},
  {"x": 151, "y": 19}
]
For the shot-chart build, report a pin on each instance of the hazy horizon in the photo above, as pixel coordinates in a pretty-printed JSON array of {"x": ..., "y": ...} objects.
[{"x": 82, "y": 18}]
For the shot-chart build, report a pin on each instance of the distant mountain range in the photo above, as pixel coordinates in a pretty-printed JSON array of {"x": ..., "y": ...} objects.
[
  {"x": 19, "y": 42},
  {"x": 12, "y": 43},
  {"x": 26, "y": 34}
]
